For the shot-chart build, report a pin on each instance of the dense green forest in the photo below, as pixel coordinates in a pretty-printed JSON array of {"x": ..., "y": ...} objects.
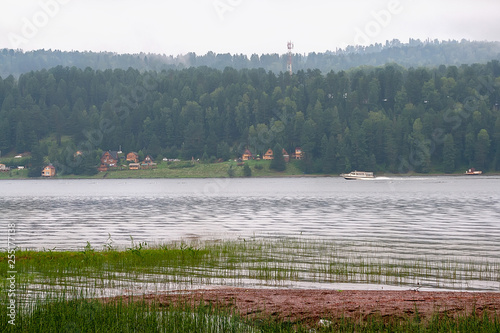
[
  {"x": 385, "y": 118},
  {"x": 415, "y": 53}
]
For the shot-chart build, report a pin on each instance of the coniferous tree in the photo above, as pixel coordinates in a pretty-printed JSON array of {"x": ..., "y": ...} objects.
[
  {"x": 330, "y": 159},
  {"x": 20, "y": 138},
  {"x": 482, "y": 149},
  {"x": 4, "y": 135},
  {"x": 247, "y": 172},
  {"x": 37, "y": 165},
  {"x": 230, "y": 171},
  {"x": 223, "y": 151},
  {"x": 449, "y": 154},
  {"x": 497, "y": 144},
  {"x": 278, "y": 163}
]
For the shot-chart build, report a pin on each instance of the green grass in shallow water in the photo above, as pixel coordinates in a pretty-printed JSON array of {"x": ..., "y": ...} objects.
[
  {"x": 66, "y": 279},
  {"x": 245, "y": 263}
]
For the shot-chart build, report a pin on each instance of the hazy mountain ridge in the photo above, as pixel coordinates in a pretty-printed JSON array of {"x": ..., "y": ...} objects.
[{"x": 415, "y": 53}]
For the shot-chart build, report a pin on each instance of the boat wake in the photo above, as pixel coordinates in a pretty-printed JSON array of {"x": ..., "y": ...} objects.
[{"x": 382, "y": 178}]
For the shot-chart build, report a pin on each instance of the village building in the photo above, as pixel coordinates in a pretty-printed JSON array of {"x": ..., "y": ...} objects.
[
  {"x": 247, "y": 155},
  {"x": 286, "y": 157},
  {"x": 148, "y": 163},
  {"x": 298, "y": 155},
  {"x": 269, "y": 155},
  {"x": 148, "y": 160},
  {"x": 25, "y": 154},
  {"x": 109, "y": 159},
  {"x": 132, "y": 157},
  {"x": 3, "y": 167},
  {"x": 134, "y": 166},
  {"x": 49, "y": 171}
]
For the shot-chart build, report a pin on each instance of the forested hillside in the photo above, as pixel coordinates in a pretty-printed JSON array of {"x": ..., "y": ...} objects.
[
  {"x": 385, "y": 118},
  {"x": 415, "y": 53}
]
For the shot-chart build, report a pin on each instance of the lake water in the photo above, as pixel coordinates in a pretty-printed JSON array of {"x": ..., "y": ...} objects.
[
  {"x": 424, "y": 214},
  {"x": 431, "y": 220}
]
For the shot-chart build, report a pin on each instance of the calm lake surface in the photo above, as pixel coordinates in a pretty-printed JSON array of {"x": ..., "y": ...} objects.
[
  {"x": 446, "y": 230},
  {"x": 417, "y": 215}
]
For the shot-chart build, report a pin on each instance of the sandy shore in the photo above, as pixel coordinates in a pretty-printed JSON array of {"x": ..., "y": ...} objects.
[{"x": 310, "y": 306}]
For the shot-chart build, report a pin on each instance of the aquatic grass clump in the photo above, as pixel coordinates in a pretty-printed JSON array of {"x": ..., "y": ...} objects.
[
  {"x": 84, "y": 315},
  {"x": 247, "y": 262}
]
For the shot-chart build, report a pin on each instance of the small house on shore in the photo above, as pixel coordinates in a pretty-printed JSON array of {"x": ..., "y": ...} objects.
[
  {"x": 49, "y": 171},
  {"x": 247, "y": 155},
  {"x": 148, "y": 163},
  {"x": 269, "y": 155},
  {"x": 132, "y": 157},
  {"x": 298, "y": 155},
  {"x": 109, "y": 159},
  {"x": 286, "y": 157},
  {"x": 134, "y": 166}
]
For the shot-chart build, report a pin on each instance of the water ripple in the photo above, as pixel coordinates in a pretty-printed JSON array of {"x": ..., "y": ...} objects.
[{"x": 423, "y": 215}]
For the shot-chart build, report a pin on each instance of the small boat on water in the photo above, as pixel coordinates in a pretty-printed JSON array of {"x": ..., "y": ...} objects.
[
  {"x": 473, "y": 172},
  {"x": 358, "y": 175}
]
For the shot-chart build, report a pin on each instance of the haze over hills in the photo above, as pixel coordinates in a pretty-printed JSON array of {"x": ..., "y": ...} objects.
[{"x": 415, "y": 53}]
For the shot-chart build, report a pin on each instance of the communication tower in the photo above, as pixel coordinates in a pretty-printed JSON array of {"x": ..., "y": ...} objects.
[{"x": 289, "y": 64}]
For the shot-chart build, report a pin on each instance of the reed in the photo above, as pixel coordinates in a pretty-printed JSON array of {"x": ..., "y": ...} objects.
[
  {"x": 250, "y": 262},
  {"x": 58, "y": 290}
]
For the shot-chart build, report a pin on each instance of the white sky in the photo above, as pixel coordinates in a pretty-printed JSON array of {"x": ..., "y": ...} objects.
[{"x": 238, "y": 26}]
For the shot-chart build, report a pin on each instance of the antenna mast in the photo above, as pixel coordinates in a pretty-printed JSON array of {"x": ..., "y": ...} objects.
[{"x": 289, "y": 64}]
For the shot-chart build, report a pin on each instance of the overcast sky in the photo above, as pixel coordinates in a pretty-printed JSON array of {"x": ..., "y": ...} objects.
[{"x": 238, "y": 26}]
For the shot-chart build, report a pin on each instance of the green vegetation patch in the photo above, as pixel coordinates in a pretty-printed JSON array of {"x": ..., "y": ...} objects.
[
  {"x": 55, "y": 288},
  {"x": 248, "y": 262},
  {"x": 82, "y": 315}
]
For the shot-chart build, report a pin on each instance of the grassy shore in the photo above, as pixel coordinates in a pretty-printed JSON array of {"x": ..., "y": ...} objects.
[
  {"x": 59, "y": 290},
  {"x": 214, "y": 170},
  {"x": 186, "y": 169},
  {"x": 201, "y": 170},
  {"x": 181, "y": 170}
]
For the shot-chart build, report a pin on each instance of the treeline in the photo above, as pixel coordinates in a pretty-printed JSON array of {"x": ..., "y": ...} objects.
[
  {"x": 415, "y": 53},
  {"x": 385, "y": 118}
]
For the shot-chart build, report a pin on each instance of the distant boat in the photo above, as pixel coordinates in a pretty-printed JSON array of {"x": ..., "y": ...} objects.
[
  {"x": 358, "y": 175},
  {"x": 473, "y": 172}
]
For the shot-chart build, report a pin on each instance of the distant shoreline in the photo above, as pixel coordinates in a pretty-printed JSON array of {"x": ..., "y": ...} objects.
[
  {"x": 413, "y": 175},
  {"x": 228, "y": 169}
]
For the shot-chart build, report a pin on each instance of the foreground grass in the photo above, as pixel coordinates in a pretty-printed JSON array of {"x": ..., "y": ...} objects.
[
  {"x": 55, "y": 288},
  {"x": 83, "y": 315}
]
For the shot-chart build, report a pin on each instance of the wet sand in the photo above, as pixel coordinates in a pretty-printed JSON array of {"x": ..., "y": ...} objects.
[{"x": 310, "y": 306}]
